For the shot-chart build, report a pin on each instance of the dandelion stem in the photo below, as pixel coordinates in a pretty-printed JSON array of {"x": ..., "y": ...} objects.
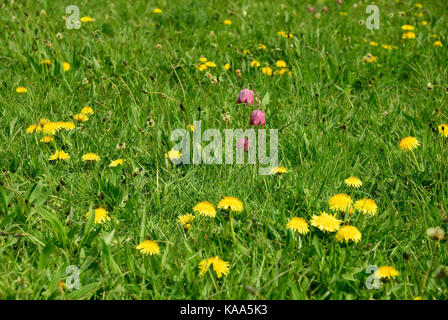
[
  {"x": 231, "y": 225},
  {"x": 415, "y": 159},
  {"x": 431, "y": 267}
]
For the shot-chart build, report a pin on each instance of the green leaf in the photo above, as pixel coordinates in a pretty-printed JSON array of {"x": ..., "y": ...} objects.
[
  {"x": 56, "y": 225},
  {"x": 317, "y": 246},
  {"x": 11, "y": 126},
  {"x": 265, "y": 101},
  {"x": 107, "y": 255},
  {"x": 108, "y": 237},
  {"x": 85, "y": 292},
  {"x": 45, "y": 254},
  {"x": 348, "y": 277}
]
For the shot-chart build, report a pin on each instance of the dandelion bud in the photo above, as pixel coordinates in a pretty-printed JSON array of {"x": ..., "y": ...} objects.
[
  {"x": 238, "y": 72},
  {"x": 246, "y": 96},
  {"x": 257, "y": 118},
  {"x": 436, "y": 234},
  {"x": 443, "y": 274}
]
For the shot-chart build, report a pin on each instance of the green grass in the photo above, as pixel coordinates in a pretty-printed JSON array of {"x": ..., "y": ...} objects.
[{"x": 339, "y": 117}]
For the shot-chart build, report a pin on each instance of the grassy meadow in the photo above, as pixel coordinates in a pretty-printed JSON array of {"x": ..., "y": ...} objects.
[{"x": 85, "y": 187}]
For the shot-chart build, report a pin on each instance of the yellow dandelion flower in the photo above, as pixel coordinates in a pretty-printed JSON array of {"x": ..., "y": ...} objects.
[
  {"x": 58, "y": 125},
  {"x": 254, "y": 63},
  {"x": 47, "y": 139},
  {"x": 228, "y": 22},
  {"x": 210, "y": 64},
  {"x": 21, "y": 90},
  {"x": 227, "y": 66},
  {"x": 66, "y": 66},
  {"x": 50, "y": 128},
  {"x": 204, "y": 265},
  {"x": 149, "y": 247},
  {"x": 424, "y": 22},
  {"x": 418, "y": 5},
  {"x": 205, "y": 208},
  {"x": 231, "y": 203},
  {"x": 373, "y": 44},
  {"x": 221, "y": 267},
  {"x": 157, "y": 10},
  {"x": 348, "y": 233},
  {"x": 366, "y": 206},
  {"x": 59, "y": 155},
  {"x": 387, "y": 46},
  {"x": 340, "y": 202},
  {"x": 33, "y": 128},
  {"x": 87, "y": 110},
  {"x": 45, "y": 61},
  {"x": 284, "y": 34},
  {"x": 186, "y": 218},
  {"x": 281, "y": 71},
  {"x": 438, "y": 43},
  {"x": 80, "y": 117},
  {"x": 299, "y": 225},
  {"x": 443, "y": 130},
  {"x": 280, "y": 64},
  {"x": 100, "y": 216},
  {"x": 173, "y": 155},
  {"x": 408, "y": 35},
  {"x": 407, "y": 27},
  {"x": 90, "y": 157},
  {"x": 203, "y": 59},
  {"x": 116, "y": 163},
  {"x": 43, "y": 121},
  {"x": 67, "y": 125},
  {"x": 354, "y": 182},
  {"x": 267, "y": 70},
  {"x": 279, "y": 170},
  {"x": 409, "y": 143},
  {"x": 326, "y": 222},
  {"x": 261, "y": 46},
  {"x": 86, "y": 19},
  {"x": 201, "y": 67},
  {"x": 369, "y": 58},
  {"x": 386, "y": 272},
  {"x": 343, "y": 13}
]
